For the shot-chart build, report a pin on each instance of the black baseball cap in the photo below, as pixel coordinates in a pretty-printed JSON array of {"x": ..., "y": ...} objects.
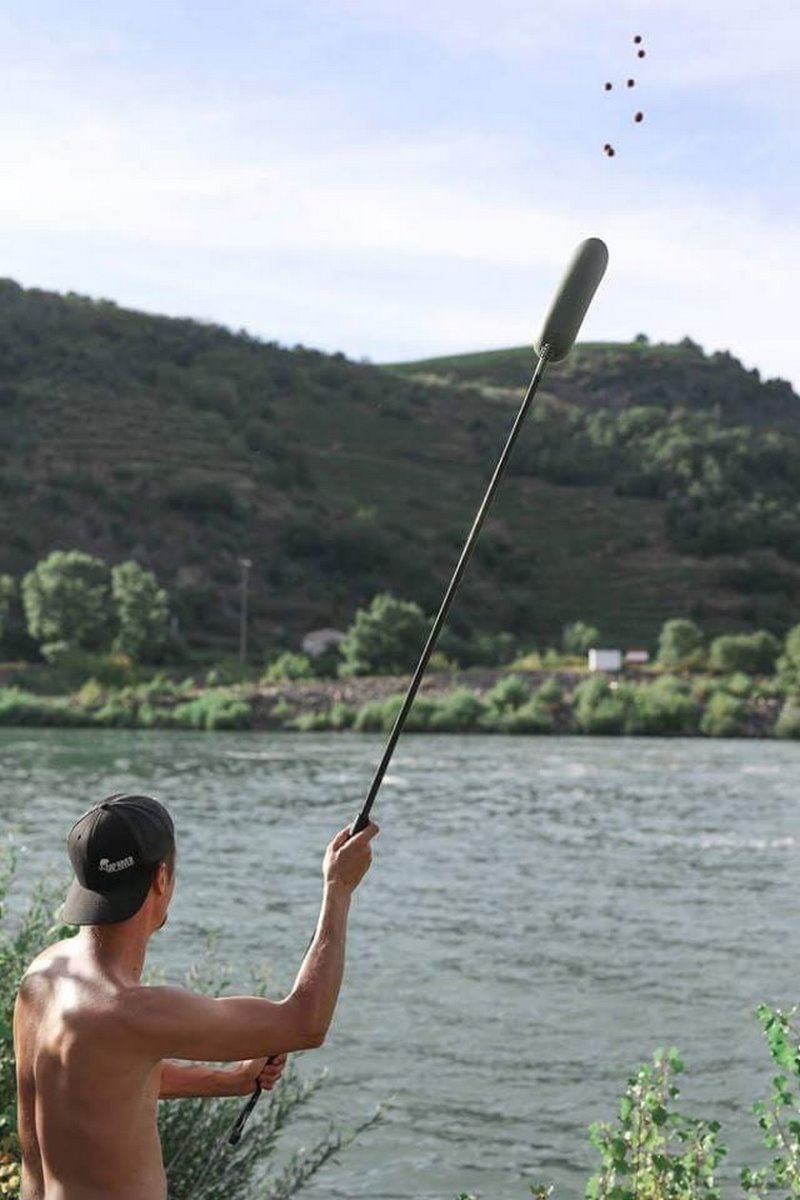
[{"x": 113, "y": 849}]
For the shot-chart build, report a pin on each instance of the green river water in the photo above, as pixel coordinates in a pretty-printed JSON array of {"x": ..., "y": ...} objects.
[{"x": 541, "y": 914}]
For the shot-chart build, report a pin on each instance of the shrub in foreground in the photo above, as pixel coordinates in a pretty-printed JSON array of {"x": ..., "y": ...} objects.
[{"x": 654, "y": 1152}]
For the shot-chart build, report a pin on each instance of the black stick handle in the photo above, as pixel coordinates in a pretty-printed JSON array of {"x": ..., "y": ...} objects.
[
  {"x": 466, "y": 554},
  {"x": 237, "y": 1129}
]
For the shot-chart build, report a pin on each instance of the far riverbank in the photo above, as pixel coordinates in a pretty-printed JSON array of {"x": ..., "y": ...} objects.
[{"x": 483, "y": 700}]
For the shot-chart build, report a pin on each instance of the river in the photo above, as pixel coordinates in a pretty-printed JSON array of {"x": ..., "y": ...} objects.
[{"x": 541, "y": 914}]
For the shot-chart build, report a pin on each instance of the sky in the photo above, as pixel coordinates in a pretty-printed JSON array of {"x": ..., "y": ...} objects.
[{"x": 396, "y": 179}]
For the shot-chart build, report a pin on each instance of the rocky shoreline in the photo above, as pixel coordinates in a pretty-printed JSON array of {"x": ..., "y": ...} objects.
[{"x": 314, "y": 698}]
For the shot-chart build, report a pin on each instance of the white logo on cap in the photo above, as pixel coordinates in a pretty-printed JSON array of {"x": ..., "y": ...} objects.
[{"x": 111, "y": 867}]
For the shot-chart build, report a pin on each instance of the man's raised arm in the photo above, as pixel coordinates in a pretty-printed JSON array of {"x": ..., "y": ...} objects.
[{"x": 174, "y": 1023}]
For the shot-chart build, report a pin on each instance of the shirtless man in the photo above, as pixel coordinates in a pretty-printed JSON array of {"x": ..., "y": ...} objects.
[{"x": 94, "y": 1046}]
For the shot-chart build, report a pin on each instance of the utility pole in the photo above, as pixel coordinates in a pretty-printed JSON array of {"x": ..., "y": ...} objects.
[{"x": 245, "y": 564}]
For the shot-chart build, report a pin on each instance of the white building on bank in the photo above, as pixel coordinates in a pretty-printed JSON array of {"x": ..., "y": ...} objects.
[{"x": 605, "y": 660}]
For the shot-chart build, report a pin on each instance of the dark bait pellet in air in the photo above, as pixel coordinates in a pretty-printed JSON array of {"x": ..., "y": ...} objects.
[
  {"x": 642, "y": 53},
  {"x": 639, "y": 117},
  {"x": 631, "y": 83},
  {"x": 638, "y": 39},
  {"x": 608, "y": 86}
]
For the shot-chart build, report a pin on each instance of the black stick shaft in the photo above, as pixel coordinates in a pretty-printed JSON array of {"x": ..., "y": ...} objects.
[
  {"x": 433, "y": 637},
  {"x": 466, "y": 554}
]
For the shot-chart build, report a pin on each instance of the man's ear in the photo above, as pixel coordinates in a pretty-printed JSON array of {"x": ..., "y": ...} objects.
[{"x": 161, "y": 879}]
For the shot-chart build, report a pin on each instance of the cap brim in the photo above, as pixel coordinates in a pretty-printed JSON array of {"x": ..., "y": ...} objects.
[{"x": 85, "y": 907}]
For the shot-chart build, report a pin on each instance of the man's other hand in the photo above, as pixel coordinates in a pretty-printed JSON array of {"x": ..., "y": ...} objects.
[{"x": 266, "y": 1071}]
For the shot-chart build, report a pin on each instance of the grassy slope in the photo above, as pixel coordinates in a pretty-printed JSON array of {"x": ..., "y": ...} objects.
[{"x": 186, "y": 446}]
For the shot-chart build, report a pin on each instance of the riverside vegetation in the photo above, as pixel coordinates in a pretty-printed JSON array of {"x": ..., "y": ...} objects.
[{"x": 736, "y": 685}]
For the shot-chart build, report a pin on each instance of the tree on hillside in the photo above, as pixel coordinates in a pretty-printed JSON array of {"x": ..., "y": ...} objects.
[
  {"x": 386, "y": 637},
  {"x": 141, "y": 609},
  {"x": 8, "y": 590},
  {"x": 579, "y": 638},
  {"x": 680, "y": 643},
  {"x": 67, "y": 600}
]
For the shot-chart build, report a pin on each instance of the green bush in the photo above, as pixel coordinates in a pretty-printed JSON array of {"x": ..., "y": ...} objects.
[
  {"x": 457, "y": 713},
  {"x": 601, "y": 708},
  {"x": 550, "y": 693},
  {"x": 654, "y": 1152},
  {"x": 789, "y": 663},
  {"x": 371, "y": 717},
  {"x": 579, "y": 638},
  {"x": 386, "y": 637},
  {"x": 116, "y": 715},
  {"x": 680, "y": 644},
  {"x": 378, "y": 716},
  {"x": 281, "y": 711},
  {"x": 212, "y": 710},
  {"x": 531, "y": 717},
  {"x": 287, "y": 667},
  {"x": 67, "y": 599},
  {"x": 507, "y": 695},
  {"x": 150, "y": 717},
  {"x": 342, "y": 716},
  {"x": 723, "y": 716},
  {"x": 788, "y": 722},
  {"x": 662, "y": 707},
  {"x": 310, "y": 722},
  {"x": 23, "y": 708},
  {"x": 91, "y": 695},
  {"x": 142, "y": 612},
  {"x": 739, "y": 684},
  {"x": 751, "y": 653}
]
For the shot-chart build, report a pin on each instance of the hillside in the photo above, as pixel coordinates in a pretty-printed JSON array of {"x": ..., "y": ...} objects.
[{"x": 650, "y": 481}]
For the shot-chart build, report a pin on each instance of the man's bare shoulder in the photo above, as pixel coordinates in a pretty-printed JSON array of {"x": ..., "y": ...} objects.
[{"x": 50, "y": 963}]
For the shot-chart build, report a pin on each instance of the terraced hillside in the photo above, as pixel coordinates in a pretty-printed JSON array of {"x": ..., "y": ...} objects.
[{"x": 187, "y": 446}]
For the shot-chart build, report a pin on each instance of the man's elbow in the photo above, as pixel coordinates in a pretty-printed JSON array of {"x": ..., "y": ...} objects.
[{"x": 309, "y": 1027}]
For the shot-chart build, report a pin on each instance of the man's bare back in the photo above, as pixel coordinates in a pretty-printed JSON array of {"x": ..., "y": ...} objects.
[
  {"x": 87, "y": 1095},
  {"x": 95, "y": 1049}
]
